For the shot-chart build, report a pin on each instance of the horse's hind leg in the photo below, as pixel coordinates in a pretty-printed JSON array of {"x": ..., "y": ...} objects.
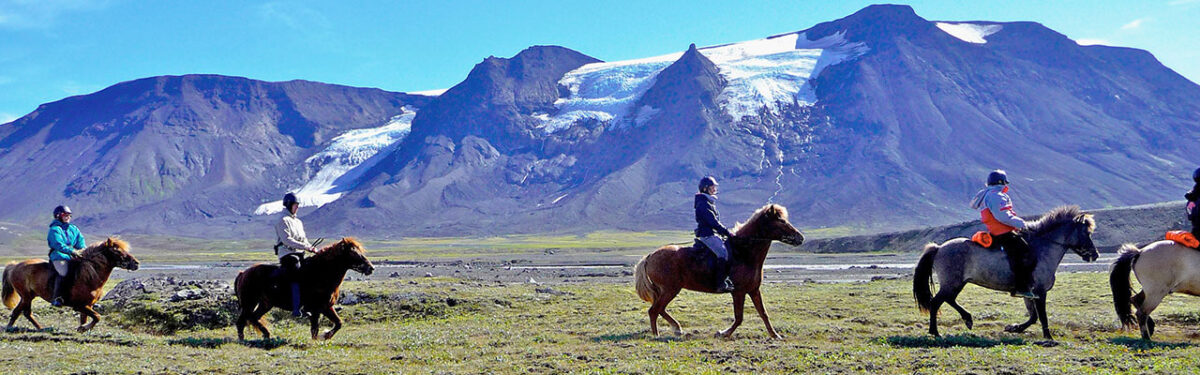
[
  {"x": 672, "y": 322},
  {"x": 257, "y": 322},
  {"x": 966, "y": 316},
  {"x": 314, "y": 322},
  {"x": 1031, "y": 310},
  {"x": 1148, "y": 303},
  {"x": 756, "y": 297},
  {"x": 659, "y": 307},
  {"x": 26, "y": 308},
  {"x": 16, "y": 313},
  {"x": 739, "y": 305}
]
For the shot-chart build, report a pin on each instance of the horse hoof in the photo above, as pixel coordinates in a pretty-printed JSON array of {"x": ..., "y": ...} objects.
[
  {"x": 777, "y": 337},
  {"x": 328, "y": 335},
  {"x": 970, "y": 324},
  {"x": 1014, "y": 328},
  {"x": 81, "y": 329},
  {"x": 1047, "y": 343}
]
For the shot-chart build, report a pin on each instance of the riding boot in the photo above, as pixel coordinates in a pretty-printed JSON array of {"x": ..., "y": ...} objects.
[
  {"x": 57, "y": 301},
  {"x": 721, "y": 268},
  {"x": 1022, "y": 278},
  {"x": 296, "y": 312}
]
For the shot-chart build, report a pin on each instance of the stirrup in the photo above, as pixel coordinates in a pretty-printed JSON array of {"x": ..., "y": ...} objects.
[
  {"x": 57, "y": 302},
  {"x": 727, "y": 286},
  {"x": 1026, "y": 294}
]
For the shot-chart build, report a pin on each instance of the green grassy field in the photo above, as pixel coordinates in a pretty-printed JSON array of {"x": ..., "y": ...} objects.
[{"x": 442, "y": 325}]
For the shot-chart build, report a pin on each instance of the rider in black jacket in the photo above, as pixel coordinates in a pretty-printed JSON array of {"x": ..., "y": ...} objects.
[{"x": 708, "y": 226}]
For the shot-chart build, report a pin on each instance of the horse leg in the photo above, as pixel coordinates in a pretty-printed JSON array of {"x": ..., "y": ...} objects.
[
  {"x": 1149, "y": 302},
  {"x": 26, "y": 307},
  {"x": 672, "y": 322},
  {"x": 257, "y": 322},
  {"x": 337, "y": 322},
  {"x": 1031, "y": 310},
  {"x": 739, "y": 304},
  {"x": 756, "y": 297},
  {"x": 243, "y": 319},
  {"x": 314, "y": 322},
  {"x": 95, "y": 319},
  {"x": 966, "y": 316},
  {"x": 660, "y": 307},
  {"x": 935, "y": 303},
  {"x": 1040, "y": 304},
  {"x": 16, "y": 313}
]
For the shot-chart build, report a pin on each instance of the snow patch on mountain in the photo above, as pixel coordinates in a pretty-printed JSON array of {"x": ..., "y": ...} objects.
[
  {"x": 760, "y": 73},
  {"x": 339, "y": 165},
  {"x": 969, "y": 32},
  {"x": 437, "y": 92}
]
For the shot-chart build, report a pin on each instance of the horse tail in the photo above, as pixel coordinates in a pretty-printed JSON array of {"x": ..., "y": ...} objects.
[
  {"x": 923, "y": 277},
  {"x": 7, "y": 293},
  {"x": 645, "y": 288},
  {"x": 1118, "y": 280}
]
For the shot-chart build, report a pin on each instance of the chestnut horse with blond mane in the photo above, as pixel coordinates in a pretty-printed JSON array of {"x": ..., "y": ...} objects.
[
  {"x": 320, "y": 278},
  {"x": 34, "y": 278},
  {"x": 662, "y": 274}
]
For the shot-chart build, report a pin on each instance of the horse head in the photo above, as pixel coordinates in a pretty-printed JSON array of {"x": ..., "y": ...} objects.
[
  {"x": 349, "y": 253},
  {"x": 1080, "y": 237},
  {"x": 116, "y": 252},
  {"x": 771, "y": 222}
]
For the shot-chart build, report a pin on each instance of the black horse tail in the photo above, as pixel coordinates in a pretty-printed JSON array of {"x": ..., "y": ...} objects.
[
  {"x": 923, "y": 277},
  {"x": 1118, "y": 280}
]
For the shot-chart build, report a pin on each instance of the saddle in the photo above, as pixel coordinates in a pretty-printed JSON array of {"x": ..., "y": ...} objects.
[
  {"x": 1184, "y": 238},
  {"x": 983, "y": 239}
]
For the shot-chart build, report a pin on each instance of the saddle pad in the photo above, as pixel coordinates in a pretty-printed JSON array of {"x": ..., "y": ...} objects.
[
  {"x": 1184, "y": 238},
  {"x": 983, "y": 239}
]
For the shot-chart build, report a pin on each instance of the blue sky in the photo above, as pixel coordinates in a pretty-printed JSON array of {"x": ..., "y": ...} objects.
[{"x": 51, "y": 49}]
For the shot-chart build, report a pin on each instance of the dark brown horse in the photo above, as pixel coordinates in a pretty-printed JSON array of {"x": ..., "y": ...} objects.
[
  {"x": 662, "y": 274},
  {"x": 320, "y": 278},
  {"x": 34, "y": 278}
]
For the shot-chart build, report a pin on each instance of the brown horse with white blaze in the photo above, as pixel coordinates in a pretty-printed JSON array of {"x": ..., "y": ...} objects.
[
  {"x": 320, "y": 279},
  {"x": 662, "y": 274},
  {"x": 27, "y": 280}
]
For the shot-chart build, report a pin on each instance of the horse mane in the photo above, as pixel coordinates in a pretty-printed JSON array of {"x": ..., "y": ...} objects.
[
  {"x": 87, "y": 272},
  {"x": 347, "y": 244},
  {"x": 773, "y": 210},
  {"x": 1060, "y": 215}
]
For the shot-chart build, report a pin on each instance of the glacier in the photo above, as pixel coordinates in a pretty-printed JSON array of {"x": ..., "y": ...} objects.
[
  {"x": 970, "y": 32},
  {"x": 760, "y": 74},
  {"x": 344, "y": 160}
]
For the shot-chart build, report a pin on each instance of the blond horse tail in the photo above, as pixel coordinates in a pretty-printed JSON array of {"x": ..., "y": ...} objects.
[
  {"x": 645, "y": 288},
  {"x": 923, "y": 277},
  {"x": 7, "y": 293},
  {"x": 1118, "y": 280}
]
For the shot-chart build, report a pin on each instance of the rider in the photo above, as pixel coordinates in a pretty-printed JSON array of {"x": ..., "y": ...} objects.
[
  {"x": 708, "y": 225},
  {"x": 63, "y": 239},
  {"x": 290, "y": 245},
  {"x": 1193, "y": 197},
  {"x": 996, "y": 209}
]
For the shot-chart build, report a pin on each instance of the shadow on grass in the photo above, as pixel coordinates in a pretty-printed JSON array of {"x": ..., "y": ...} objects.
[
  {"x": 964, "y": 340},
  {"x": 53, "y": 335},
  {"x": 622, "y": 337},
  {"x": 1139, "y": 344},
  {"x": 269, "y": 344},
  {"x": 199, "y": 342}
]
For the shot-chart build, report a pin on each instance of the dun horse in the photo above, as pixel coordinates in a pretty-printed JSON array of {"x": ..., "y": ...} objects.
[
  {"x": 662, "y": 274},
  {"x": 960, "y": 261},
  {"x": 34, "y": 278},
  {"x": 1162, "y": 267},
  {"x": 320, "y": 278}
]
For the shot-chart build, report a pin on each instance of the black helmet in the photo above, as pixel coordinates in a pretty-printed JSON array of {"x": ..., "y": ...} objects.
[
  {"x": 1196, "y": 176},
  {"x": 997, "y": 177},
  {"x": 707, "y": 181},
  {"x": 289, "y": 199},
  {"x": 61, "y": 210}
]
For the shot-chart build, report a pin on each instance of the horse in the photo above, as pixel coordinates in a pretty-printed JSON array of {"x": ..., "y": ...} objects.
[
  {"x": 662, "y": 274},
  {"x": 960, "y": 261},
  {"x": 34, "y": 278},
  {"x": 1162, "y": 267},
  {"x": 321, "y": 277}
]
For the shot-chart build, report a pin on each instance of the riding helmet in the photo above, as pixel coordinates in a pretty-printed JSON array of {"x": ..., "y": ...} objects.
[
  {"x": 997, "y": 177},
  {"x": 289, "y": 199},
  {"x": 1196, "y": 175},
  {"x": 706, "y": 182},
  {"x": 61, "y": 210}
]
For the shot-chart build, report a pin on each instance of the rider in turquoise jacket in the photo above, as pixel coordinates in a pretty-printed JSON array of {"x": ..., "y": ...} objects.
[{"x": 63, "y": 238}]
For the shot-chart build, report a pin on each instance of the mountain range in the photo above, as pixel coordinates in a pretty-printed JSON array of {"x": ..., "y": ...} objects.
[{"x": 881, "y": 120}]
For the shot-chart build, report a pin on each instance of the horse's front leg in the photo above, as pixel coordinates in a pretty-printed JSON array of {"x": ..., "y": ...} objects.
[
  {"x": 337, "y": 322},
  {"x": 739, "y": 304},
  {"x": 756, "y": 297},
  {"x": 1020, "y": 327},
  {"x": 88, "y": 312},
  {"x": 1040, "y": 304},
  {"x": 314, "y": 321}
]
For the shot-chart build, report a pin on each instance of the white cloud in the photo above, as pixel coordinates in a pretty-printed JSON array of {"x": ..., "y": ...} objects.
[
  {"x": 1134, "y": 24},
  {"x": 1093, "y": 42},
  {"x": 41, "y": 14}
]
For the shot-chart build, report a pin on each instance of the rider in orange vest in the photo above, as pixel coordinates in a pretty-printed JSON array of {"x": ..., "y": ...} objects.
[{"x": 1002, "y": 222}]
